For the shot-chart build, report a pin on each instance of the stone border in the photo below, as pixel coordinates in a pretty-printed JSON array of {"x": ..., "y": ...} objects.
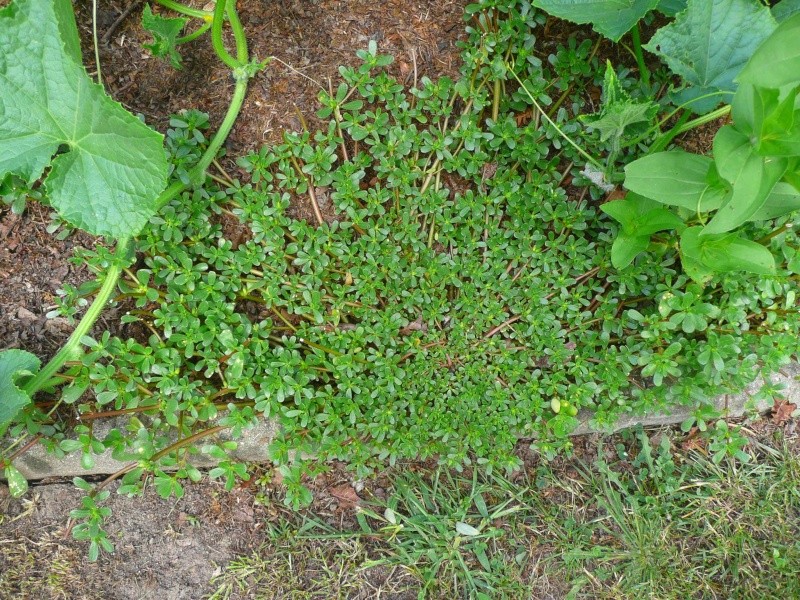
[{"x": 36, "y": 464}]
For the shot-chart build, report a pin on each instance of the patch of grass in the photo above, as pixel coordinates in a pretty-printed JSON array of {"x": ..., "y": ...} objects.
[
  {"x": 646, "y": 520},
  {"x": 684, "y": 527},
  {"x": 295, "y": 567},
  {"x": 40, "y": 570}
]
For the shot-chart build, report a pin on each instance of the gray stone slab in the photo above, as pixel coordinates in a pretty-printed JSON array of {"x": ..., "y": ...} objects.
[{"x": 36, "y": 464}]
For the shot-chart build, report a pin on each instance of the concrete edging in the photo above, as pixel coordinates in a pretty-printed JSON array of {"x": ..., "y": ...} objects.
[{"x": 36, "y": 464}]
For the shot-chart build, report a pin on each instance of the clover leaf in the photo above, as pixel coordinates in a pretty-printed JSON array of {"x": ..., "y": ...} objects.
[{"x": 113, "y": 166}]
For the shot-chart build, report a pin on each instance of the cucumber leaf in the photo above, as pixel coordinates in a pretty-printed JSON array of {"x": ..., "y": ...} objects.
[
  {"x": 114, "y": 166},
  {"x": 671, "y": 7},
  {"x": 708, "y": 45},
  {"x": 165, "y": 33},
  {"x": 611, "y": 18},
  {"x": 13, "y": 364},
  {"x": 785, "y": 9}
]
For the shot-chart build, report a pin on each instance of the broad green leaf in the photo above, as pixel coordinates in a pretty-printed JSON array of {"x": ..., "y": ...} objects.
[
  {"x": 732, "y": 148},
  {"x": 785, "y": 9},
  {"x": 17, "y": 484},
  {"x": 619, "y": 111},
  {"x": 675, "y": 178},
  {"x": 612, "y": 18},
  {"x": 671, "y": 7},
  {"x": 13, "y": 364},
  {"x": 727, "y": 252},
  {"x": 769, "y": 117},
  {"x": 708, "y": 45},
  {"x": 165, "y": 35},
  {"x": 783, "y": 200},
  {"x": 640, "y": 216},
  {"x": 752, "y": 184},
  {"x": 776, "y": 63},
  {"x": 114, "y": 166},
  {"x": 627, "y": 247}
]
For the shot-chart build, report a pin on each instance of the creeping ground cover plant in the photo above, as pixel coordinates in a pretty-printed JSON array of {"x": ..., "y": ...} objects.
[{"x": 456, "y": 288}]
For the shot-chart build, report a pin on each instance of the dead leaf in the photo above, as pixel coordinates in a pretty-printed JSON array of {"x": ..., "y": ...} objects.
[
  {"x": 346, "y": 495},
  {"x": 782, "y": 411},
  {"x": 694, "y": 441}
]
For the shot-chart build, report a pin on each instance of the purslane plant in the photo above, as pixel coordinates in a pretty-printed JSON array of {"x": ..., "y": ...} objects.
[
  {"x": 753, "y": 176},
  {"x": 447, "y": 297},
  {"x": 106, "y": 172}
]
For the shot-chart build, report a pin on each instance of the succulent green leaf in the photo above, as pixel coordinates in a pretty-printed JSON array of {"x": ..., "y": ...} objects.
[
  {"x": 726, "y": 253},
  {"x": 708, "y": 45},
  {"x": 785, "y": 9},
  {"x": 752, "y": 181},
  {"x": 675, "y": 178},
  {"x": 14, "y": 364},
  {"x": 165, "y": 33},
  {"x": 612, "y": 18},
  {"x": 114, "y": 166},
  {"x": 776, "y": 62},
  {"x": 783, "y": 199}
]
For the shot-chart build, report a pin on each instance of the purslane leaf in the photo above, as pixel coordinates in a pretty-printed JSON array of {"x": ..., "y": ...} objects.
[
  {"x": 675, "y": 178},
  {"x": 708, "y": 45},
  {"x": 612, "y": 18},
  {"x": 113, "y": 168},
  {"x": 13, "y": 364}
]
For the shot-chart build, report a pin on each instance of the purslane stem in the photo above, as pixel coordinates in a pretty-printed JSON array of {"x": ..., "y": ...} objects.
[{"x": 109, "y": 285}]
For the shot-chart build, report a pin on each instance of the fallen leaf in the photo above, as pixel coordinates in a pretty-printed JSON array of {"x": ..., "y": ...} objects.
[
  {"x": 346, "y": 495},
  {"x": 694, "y": 441},
  {"x": 782, "y": 411}
]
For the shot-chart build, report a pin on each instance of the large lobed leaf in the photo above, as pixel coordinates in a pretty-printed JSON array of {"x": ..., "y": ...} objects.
[
  {"x": 709, "y": 43},
  {"x": 114, "y": 166},
  {"x": 612, "y": 18},
  {"x": 13, "y": 364}
]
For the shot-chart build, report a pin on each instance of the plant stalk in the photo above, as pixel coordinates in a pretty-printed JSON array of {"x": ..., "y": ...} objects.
[{"x": 85, "y": 324}]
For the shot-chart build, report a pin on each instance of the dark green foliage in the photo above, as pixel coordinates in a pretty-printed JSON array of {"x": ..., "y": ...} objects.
[{"x": 457, "y": 298}]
